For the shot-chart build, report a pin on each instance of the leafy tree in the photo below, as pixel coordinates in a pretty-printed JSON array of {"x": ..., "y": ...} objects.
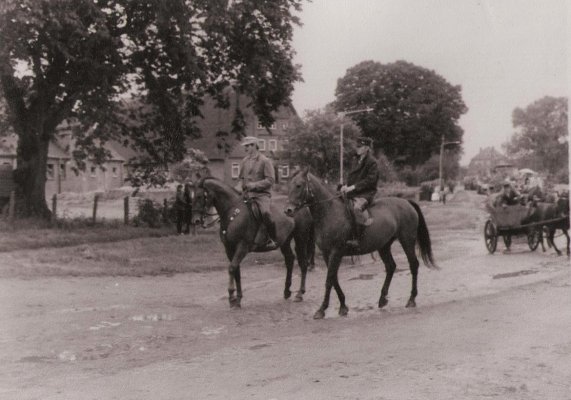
[
  {"x": 315, "y": 142},
  {"x": 134, "y": 71},
  {"x": 540, "y": 140},
  {"x": 414, "y": 108}
]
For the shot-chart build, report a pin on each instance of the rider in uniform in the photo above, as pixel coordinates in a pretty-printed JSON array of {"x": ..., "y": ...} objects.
[
  {"x": 257, "y": 177},
  {"x": 361, "y": 187}
]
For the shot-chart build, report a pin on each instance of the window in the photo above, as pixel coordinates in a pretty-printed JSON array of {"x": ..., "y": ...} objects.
[
  {"x": 62, "y": 171},
  {"x": 235, "y": 170},
  {"x": 272, "y": 126},
  {"x": 272, "y": 144},
  {"x": 114, "y": 172},
  {"x": 285, "y": 171},
  {"x": 283, "y": 144},
  {"x": 93, "y": 171},
  {"x": 50, "y": 171},
  {"x": 262, "y": 144},
  {"x": 285, "y": 126}
]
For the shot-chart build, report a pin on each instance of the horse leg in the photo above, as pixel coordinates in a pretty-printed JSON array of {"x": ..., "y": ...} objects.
[
  {"x": 413, "y": 264},
  {"x": 302, "y": 261},
  {"x": 334, "y": 259},
  {"x": 551, "y": 237},
  {"x": 390, "y": 267},
  {"x": 235, "y": 277},
  {"x": 289, "y": 261},
  {"x": 567, "y": 236}
]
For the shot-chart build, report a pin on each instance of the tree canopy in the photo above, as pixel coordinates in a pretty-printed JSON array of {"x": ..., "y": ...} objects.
[
  {"x": 142, "y": 67},
  {"x": 414, "y": 108},
  {"x": 541, "y": 140},
  {"x": 315, "y": 142}
]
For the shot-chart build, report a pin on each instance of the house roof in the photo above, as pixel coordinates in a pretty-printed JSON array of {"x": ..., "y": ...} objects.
[{"x": 9, "y": 145}]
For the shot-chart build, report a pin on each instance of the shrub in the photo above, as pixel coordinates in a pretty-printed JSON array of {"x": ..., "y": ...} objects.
[{"x": 150, "y": 214}]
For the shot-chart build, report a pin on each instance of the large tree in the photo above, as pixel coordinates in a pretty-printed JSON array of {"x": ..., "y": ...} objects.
[
  {"x": 141, "y": 67},
  {"x": 315, "y": 142},
  {"x": 414, "y": 108},
  {"x": 541, "y": 140}
]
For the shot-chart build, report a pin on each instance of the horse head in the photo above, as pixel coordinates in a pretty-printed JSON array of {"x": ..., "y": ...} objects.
[
  {"x": 299, "y": 192},
  {"x": 202, "y": 201}
]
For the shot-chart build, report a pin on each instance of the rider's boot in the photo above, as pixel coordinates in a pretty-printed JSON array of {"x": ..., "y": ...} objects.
[{"x": 271, "y": 244}]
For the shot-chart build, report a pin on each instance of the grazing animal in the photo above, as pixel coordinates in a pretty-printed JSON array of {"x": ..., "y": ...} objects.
[
  {"x": 240, "y": 233},
  {"x": 393, "y": 219}
]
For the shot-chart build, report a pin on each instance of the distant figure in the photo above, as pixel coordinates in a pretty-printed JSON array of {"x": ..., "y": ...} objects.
[
  {"x": 179, "y": 208},
  {"x": 187, "y": 207}
]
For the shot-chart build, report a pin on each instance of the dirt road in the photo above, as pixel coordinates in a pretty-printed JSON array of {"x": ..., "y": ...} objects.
[{"x": 486, "y": 326}]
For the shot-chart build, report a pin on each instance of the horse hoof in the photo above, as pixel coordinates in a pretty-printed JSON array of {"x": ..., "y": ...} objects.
[
  {"x": 319, "y": 314},
  {"x": 287, "y": 294},
  {"x": 410, "y": 304},
  {"x": 383, "y": 302},
  {"x": 343, "y": 311},
  {"x": 298, "y": 298}
]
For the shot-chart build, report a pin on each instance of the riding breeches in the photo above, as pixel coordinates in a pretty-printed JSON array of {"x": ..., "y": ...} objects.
[{"x": 359, "y": 204}]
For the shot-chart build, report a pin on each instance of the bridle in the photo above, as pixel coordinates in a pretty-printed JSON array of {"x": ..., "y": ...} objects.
[
  {"x": 204, "y": 211},
  {"x": 308, "y": 198}
]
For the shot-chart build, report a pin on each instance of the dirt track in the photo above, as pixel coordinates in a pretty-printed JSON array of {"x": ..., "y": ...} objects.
[{"x": 485, "y": 326}]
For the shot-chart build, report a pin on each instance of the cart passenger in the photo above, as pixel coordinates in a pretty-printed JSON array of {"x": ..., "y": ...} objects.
[{"x": 509, "y": 196}]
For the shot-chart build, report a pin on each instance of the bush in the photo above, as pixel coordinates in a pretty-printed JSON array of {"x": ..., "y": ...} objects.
[{"x": 151, "y": 214}]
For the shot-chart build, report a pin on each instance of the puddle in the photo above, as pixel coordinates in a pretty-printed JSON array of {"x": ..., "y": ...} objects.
[
  {"x": 212, "y": 331},
  {"x": 363, "y": 277},
  {"x": 153, "y": 317},
  {"x": 104, "y": 325},
  {"x": 514, "y": 274}
]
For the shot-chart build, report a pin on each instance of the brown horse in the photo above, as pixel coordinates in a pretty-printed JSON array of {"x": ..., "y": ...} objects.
[
  {"x": 556, "y": 216},
  {"x": 240, "y": 233},
  {"x": 394, "y": 219}
]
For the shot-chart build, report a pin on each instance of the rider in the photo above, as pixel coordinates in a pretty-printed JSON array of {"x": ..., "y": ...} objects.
[
  {"x": 361, "y": 187},
  {"x": 257, "y": 177}
]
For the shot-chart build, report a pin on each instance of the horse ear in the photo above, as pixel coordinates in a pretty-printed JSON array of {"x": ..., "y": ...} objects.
[{"x": 305, "y": 171}]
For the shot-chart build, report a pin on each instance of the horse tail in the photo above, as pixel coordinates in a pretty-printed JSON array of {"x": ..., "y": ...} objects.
[{"x": 423, "y": 239}]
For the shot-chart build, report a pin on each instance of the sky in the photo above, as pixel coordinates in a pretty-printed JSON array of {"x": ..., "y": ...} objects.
[{"x": 503, "y": 53}]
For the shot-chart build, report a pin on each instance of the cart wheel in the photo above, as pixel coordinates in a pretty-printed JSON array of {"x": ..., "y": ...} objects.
[
  {"x": 533, "y": 238},
  {"x": 508, "y": 241},
  {"x": 490, "y": 236}
]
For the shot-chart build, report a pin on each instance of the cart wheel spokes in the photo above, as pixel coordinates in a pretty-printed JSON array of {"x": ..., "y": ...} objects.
[{"x": 490, "y": 236}]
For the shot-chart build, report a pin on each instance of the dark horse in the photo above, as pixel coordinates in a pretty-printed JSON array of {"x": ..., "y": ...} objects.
[
  {"x": 239, "y": 232},
  {"x": 394, "y": 219},
  {"x": 555, "y": 215}
]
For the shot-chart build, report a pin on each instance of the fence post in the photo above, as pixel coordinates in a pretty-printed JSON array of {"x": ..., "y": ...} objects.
[
  {"x": 95, "y": 201},
  {"x": 12, "y": 206},
  {"x": 126, "y": 209},
  {"x": 54, "y": 208}
]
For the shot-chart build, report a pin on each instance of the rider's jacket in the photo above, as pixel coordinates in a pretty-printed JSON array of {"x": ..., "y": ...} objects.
[
  {"x": 259, "y": 171},
  {"x": 364, "y": 176}
]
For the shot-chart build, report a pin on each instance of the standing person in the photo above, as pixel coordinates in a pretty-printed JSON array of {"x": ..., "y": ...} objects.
[
  {"x": 256, "y": 178},
  {"x": 187, "y": 207},
  {"x": 361, "y": 187},
  {"x": 179, "y": 208}
]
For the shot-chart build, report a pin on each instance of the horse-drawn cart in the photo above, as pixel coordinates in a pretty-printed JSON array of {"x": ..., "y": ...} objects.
[{"x": 507, "y": 222}]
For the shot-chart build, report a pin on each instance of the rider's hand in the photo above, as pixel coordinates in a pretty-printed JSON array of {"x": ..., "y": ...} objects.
[{"x": 347, "y": 189}]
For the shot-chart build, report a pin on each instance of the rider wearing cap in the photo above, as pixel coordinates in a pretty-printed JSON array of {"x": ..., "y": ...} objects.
[
  {"x": 257, "y": 177},
  {"x": 361, "y": 187}
]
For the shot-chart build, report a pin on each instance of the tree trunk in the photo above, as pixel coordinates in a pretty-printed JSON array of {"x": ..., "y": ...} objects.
[{"x": 30, "y": 176}]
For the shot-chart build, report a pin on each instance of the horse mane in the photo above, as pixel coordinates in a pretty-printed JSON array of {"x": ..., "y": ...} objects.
[{"x": 200, "y": 183}]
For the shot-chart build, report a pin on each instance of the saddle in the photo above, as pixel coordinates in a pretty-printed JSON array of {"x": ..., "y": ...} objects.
[{"x": 262, "y": 237}]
